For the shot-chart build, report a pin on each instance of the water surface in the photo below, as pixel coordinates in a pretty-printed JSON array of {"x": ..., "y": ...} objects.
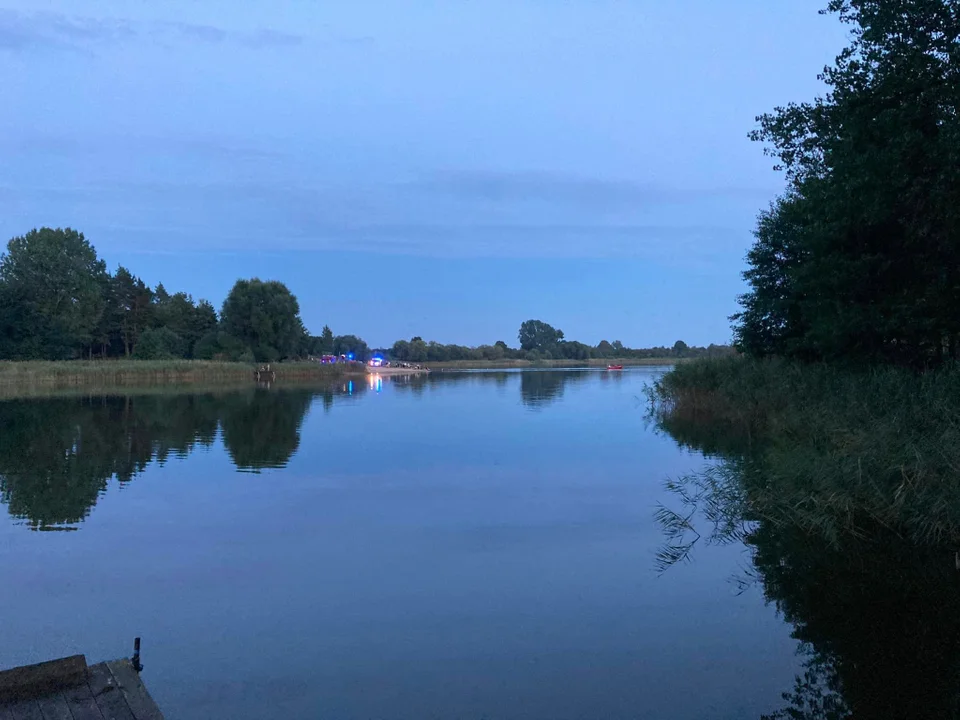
[{"x": 464, "y": 545}]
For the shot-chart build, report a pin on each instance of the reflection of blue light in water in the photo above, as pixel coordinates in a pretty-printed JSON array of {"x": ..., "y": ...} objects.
[
  {"x": 379, "y": 384},
  {"x": 350, "y": 387}
]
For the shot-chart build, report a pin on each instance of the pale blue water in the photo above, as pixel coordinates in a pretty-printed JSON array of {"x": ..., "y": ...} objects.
[{"x": 468, "y": 546}]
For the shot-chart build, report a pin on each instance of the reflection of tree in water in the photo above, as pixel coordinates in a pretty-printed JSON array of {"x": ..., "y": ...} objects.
[
  {"x": 261, "y": 428},
  {"x": 540, "y": 388},
  {"x": 873, "y": 604},
  {"x": 57, "y": 454}
]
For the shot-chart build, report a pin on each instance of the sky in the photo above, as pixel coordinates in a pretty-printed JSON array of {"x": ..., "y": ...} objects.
[{"x": 446, "y": 169}]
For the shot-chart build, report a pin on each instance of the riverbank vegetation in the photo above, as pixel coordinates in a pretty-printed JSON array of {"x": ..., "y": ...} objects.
[
  {"x": 19, "y": 377},
  {"x": 59, "y": 302},
  {"x": 835, "y": 437}
]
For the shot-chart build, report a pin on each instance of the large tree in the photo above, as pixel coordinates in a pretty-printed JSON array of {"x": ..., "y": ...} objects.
[
  {"x": 538, "y": 335},
  {"x": 263, "y": 317},
  {"x": 51, "y": 294},
  {"x": 860, "y": 259}
]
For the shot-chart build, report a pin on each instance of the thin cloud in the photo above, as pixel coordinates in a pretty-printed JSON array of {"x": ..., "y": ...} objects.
[
  {"x": 565, "y": 190},
  {"x": 22, "y": 31}
]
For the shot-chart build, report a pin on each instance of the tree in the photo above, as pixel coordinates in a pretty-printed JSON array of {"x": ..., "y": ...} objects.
[
  {"x": 417, "y": 350},
  {"x": 538, "y": 335},
  {"x": 159, "y": 344},
  {"x": 133, "y": 303},
  {"x": 400, "y": 351},
  {"x": 680, "y": 349},
  {"x": 263, "y": 317},
  {"x": 351, "y": 345},
  {"x": 51, "y": 294},
  {"x": 859, "y": 259},
  {"x": 188, "y": 320},
  {"x": 326, "y": 341},
  {"x": 604, "y": 349}
]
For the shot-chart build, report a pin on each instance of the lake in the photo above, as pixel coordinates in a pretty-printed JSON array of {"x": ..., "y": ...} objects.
[{"x": 463, "y": 545}]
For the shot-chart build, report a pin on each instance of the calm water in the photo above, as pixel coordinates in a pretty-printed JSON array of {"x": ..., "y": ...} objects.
[{"x": 461, "y": 546}]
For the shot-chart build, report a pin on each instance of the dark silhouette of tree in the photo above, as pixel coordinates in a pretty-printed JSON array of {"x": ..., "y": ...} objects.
[
  {"x": 263, "y": 317},
  {"x": 858, "y": 261},
  {"x": 50, "y": 295},
  {"x": 538, "y": 335}
]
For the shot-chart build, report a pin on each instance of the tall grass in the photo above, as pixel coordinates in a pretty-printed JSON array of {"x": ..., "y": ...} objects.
[
  {"x": 27, "y": 376},
  {"x": 828, "y": 448}
]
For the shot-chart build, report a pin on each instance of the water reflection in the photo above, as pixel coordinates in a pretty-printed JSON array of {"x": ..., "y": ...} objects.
[
  {"x": 261, "y": 429},
  {"x": 872, "y": 605},
  {"x": 57, "y": 454},
  {"x": 539, "y": 389}
]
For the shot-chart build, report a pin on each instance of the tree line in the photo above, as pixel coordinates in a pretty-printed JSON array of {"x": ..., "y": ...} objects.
[
  {"x": 540, "y": 341},
  {"x": 59, "y": 302},
  {"x": 859, "y": 260}
]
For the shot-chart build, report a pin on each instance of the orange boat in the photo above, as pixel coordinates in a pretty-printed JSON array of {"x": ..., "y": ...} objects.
[{"x": 614, "y": 367}]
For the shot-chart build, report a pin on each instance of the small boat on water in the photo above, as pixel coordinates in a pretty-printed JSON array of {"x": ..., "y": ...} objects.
[{"x": 614, "y": 367}]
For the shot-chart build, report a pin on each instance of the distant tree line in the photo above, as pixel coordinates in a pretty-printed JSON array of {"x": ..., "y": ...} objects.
[
  {"x": 59, "y": 302},
  {"x": 540, "y": 341}
]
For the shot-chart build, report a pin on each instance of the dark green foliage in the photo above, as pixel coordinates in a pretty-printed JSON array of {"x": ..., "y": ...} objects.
[
  {"x": 50, "y": 295},
  {"x": 159, "y": 344},
  {"x": 131, "y": 301},
  {"x": 538, "y": 335},
  {"x": 265, "y": 318},
  {"x": 859, "y": 260},
  {"x": 188, "y": 320},
  {"x": 57, "y": 301}
]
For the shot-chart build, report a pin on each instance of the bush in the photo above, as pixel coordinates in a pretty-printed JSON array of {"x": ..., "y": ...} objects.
[
  {"x": 158, "y": 344},
  {"x": 207, "y": 347}
]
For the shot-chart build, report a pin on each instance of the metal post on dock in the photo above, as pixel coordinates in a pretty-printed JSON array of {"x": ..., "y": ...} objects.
[{"x": 135, "y": 660}]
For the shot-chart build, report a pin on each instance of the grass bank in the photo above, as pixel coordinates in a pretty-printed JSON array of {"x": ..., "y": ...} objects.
[
  {"x": 509, "y": 364},
  {"x": 829, "y": 448},
  {"x": 18, "y": 378}
]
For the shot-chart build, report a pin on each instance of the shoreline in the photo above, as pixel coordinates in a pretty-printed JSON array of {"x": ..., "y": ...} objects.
[
  {"x": 556, "y": 364},
  {"x": 23, "y": 377}
]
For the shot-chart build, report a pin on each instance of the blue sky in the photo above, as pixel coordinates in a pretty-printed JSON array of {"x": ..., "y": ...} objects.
[{"x": 447, "y": 169}]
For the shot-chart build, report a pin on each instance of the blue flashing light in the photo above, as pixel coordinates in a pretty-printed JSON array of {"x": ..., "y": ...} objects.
[{"x": 349, "y": 356}]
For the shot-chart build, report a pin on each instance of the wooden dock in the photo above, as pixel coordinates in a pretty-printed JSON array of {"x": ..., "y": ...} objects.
[{"x": 67, "y": 689}]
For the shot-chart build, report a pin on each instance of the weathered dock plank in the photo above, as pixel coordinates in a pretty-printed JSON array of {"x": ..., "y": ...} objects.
[
  {"x": 31, "y": 681},
  {"x": 54, "y": 707},
  {"x": 26, "y": 710},
  {"x": 134, "y": 691},
  {"x": 108, "y": 696},
  {"x": 68, "y": 689},
  {"x": 81, "y": 703}
]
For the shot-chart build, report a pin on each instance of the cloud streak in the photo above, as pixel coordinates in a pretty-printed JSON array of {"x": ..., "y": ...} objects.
[{"x": 21, "y": 31}]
